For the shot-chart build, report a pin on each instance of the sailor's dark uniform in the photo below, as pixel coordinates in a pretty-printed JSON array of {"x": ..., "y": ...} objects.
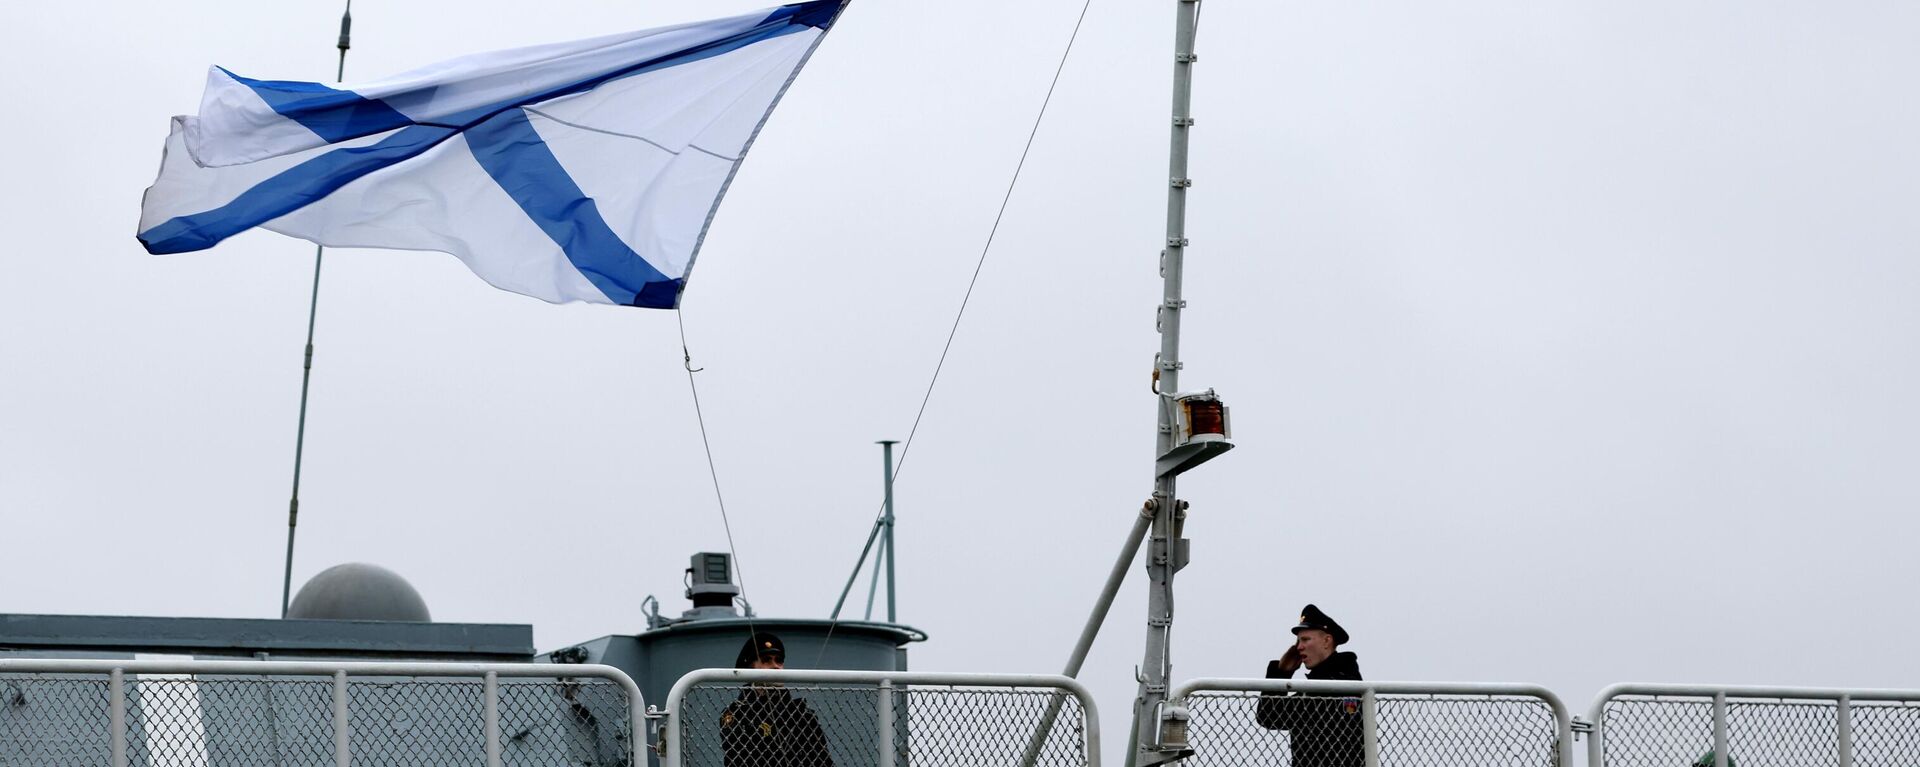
[
  {"x": 768, "y": 727},
  {"x": 1325, "y": 731}
]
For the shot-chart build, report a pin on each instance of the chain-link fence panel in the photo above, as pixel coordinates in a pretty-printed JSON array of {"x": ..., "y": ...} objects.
[
  {"x": 56, "y": 720},
  {"x": 731, "y": 724},
  {"x": 1784, "y": 733},
  {"x": 1886, "y": 734},
  {"x": 49, "y": 720},
  {"x": 1328, "y": 730},
  {"x": 1234, "y": 728},
  {"x": 1653, "y": 731},
  {"x": 1656, "y": 731},
  {"x": 1439, "y": 730},
  {"x": 244, "y": 722},
  {"x": 417, "y": 722},
  {"x": 556, "y": 722}
]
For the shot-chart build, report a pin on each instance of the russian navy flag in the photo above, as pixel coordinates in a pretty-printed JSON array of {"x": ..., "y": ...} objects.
[{"x": 582, "y": 171}]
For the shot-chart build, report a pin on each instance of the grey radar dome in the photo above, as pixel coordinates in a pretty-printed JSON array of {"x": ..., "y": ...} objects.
[{"x": 357, "y": 591}]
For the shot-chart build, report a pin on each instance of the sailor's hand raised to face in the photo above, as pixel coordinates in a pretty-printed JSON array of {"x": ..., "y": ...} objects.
[{"x": 1289, "y": 661}]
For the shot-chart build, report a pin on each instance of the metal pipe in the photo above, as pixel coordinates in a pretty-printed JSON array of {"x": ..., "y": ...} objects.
[
  {"x": 300, "y": 433},
  {"x": 117, "y": 717},
  {"x": 1596, "y": 744},
  {"x": 885, "y": 721},
  {"x": 490, "y": 718},
  {"x": 306, "y": 369},
  {"x": 887, "y": 550},
  {"x": 1720, "y": 729},
  {"x": 1337, "y": 687},
  {"x": 1563, "y": 720},
  {"x": 855, "y": 575},
  {"x": 1759, "y": 691},
  {"x": 873, "y": 583},
  {"x": 636, "y": 703},
  {"x": 321, "y": 668},
  {"x": 1843, "y": 726},
  {"x": 1370, "y": 727},
  {"x": 677, "y": 696},
  {"x": 1597, "y": 739},
  {"x": 1117, "y": 576},
  {"x": 674, "y": 754},
  {"x": 1157, "y": 663},
  {"x": 342, "y": 724}
]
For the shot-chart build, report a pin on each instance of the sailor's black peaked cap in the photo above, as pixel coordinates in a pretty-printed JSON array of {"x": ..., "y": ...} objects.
[
  {"x": 761, "y": 645},
  {"x": 1312, "y": 618}
]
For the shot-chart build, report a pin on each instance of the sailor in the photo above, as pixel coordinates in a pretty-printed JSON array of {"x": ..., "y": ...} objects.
[
  {"x": 1326, "y": 730},
  {"x": 766, "y": 726}
]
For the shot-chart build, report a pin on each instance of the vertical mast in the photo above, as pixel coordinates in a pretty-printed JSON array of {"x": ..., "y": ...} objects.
[
  {"x": 1167, "y": 550},
  {"x": 886, "y": 447}
]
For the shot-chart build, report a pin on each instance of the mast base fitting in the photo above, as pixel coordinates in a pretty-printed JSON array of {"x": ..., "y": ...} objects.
[
  {"x": 1169, "y": 738},
  {"x": 1173, "y": 729}
]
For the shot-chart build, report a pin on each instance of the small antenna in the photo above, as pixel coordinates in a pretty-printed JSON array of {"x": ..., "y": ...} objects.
[
  {"x": 883, "y": 533},
  {"x": 346, "y": 41},
  {"x": 306, "y": 370}
]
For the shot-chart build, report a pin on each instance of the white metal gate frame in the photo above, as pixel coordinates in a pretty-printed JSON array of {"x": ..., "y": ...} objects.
[
  {"x": 885, "y": 681},
  {"x": 1369, "y": 707},
  {"x": 116, "y": 672},
  {"x": 1843, "y": 699}
]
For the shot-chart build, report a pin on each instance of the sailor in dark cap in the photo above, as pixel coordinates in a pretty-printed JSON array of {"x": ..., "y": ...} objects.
[
  {"x": 766, "y": 726},
  {"x": 1326, "y": 729},
  {"x": 1316, "y": 643},
  {"x": 762, "y": 650}
]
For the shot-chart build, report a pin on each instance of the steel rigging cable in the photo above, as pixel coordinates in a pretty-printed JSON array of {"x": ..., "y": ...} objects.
[
  {"x": 686, "y": 360},
  {"x": 981, "y": 263}
]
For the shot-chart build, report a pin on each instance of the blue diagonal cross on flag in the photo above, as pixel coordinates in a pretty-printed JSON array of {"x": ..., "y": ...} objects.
[{"x": 581, "y": 171}]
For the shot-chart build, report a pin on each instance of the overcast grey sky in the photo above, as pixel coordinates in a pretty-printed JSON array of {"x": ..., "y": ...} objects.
[{"x": 1567, "y": 343}]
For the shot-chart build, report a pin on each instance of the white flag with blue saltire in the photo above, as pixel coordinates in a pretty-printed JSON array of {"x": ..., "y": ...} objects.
[{"x": 582, "y": 171}]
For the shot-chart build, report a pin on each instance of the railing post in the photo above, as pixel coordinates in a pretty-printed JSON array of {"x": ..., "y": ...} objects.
[
  {"x": 1597, "y": 736},
  {"x": 492, "y": 719},
  {"x": 117, "y": 717},
  {"x": 1720, "y": 758},
  {"x": 669, "y": 735},
  {"x": 1844, "y": 726},
  {"x": 885, "y": 719},
  {"x": 1370, "y": 726},
  {"x": 342, "y": 728}
]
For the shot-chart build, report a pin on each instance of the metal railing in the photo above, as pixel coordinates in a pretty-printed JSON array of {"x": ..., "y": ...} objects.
[
  {"x": 1722, "y": 726},
  {"x": 124, "y": 713},
  {"x": 749, "y": 718},
  {"x": 1350, "y": 724}
]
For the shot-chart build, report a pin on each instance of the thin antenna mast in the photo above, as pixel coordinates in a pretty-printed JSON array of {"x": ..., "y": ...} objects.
[
  {"x": 306, "y": 369},
  {"x": 883, "y": 533},
  {"x": 886, "y": 452}
]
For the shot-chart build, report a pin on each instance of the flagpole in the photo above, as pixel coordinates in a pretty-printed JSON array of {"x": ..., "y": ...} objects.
[{"x": 306, "y": 368}]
